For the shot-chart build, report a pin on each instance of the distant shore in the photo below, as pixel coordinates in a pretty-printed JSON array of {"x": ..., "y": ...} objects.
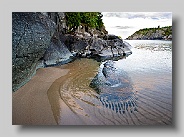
[{"x": 164, "y": 33}]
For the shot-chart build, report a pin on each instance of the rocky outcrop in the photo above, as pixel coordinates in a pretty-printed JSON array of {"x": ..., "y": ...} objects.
[
  {"x": 31, "y": 34},
  {"x": 59, "y": 19},
  {"x": 41, "y": 40},
  {"x": 164, "y": 33},
  {"x": 57, "y": 53},
  {"x": 85, "y": 45},
  {"x": 112, "y": 47}
]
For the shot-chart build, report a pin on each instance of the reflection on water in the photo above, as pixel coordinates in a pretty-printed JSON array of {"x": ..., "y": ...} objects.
[
  {"x": 120, "y": 103},
  {"x": 114, "y": 88},
  {"x": 137, "y": 90}
]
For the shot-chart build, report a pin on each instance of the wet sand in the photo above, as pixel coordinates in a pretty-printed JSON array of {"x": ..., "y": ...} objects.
[
  {"x": 62, "y": 96},
  {"x": 30, "y": 104},
  {"x": 67, "y": 94},
  {"x": 73, "y": 102}
]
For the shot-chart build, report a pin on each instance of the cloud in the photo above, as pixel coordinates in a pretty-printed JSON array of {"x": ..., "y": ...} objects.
[
  {"x": 125, "y": 24},
  {"x": 122, "y": 27},
  {"x": 144, "y": 15}
]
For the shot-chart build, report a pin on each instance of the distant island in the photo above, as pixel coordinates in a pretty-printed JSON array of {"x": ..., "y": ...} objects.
[{"x": 159, "y": 33}]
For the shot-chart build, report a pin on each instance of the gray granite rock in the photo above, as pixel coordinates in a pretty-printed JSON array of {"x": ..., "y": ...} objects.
[
  {"x": 57, "y": 54},
  {"x": 40, "y": 40},
  {"x": 31, "y": 34}
]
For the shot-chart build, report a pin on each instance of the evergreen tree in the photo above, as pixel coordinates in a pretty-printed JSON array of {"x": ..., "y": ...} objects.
[
  {"x": 88, "y": 19},
  {"x": 73, "y": 20}
]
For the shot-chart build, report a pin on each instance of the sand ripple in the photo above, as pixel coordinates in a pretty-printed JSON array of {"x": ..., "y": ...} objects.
[{"x": 74, "y": 102}]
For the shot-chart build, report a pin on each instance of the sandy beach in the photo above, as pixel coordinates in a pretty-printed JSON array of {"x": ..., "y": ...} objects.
[
  {"x": 40, "y": 102},
  {"x": 62, "y": 96},
  {"x": 30, "y": 104}
]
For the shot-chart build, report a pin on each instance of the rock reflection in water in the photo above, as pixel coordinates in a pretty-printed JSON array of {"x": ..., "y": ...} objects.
[
  {"x": 120, "y": 104},
  {"x": 115, "y": 89}
]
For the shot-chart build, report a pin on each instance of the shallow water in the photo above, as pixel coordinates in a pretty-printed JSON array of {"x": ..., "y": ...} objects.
[{"x": 144, "y": 99}]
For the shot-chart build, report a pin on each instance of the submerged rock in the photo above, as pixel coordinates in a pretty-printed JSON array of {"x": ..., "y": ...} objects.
[
  {"x": 109, "y": 76},
  {"x": 114, "y": 88}
]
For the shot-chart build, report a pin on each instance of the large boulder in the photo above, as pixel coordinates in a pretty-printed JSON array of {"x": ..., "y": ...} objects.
[
  {"x": 34, "y": 45},
  {"x": 57, "y": 53},
  {"x": 111, "y": 47},
  {"x": 86, "y": 45},
  {"x": 31, "y": 34},
  {"x": 97, "y": 45},
  {"x": 77, "y": 43}
]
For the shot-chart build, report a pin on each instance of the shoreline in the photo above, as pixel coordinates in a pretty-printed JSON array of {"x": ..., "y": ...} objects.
[
  {"x": 39, "y": 102},
  {"x": 54, "y": 96},
  {"x": 30, "y": 103}
]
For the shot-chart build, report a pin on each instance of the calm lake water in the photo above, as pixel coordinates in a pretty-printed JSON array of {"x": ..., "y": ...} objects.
[{"x": 146, "y": 101}]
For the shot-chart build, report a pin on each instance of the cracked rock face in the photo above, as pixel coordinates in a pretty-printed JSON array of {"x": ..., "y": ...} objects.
[{"x": 31, "y": 34}]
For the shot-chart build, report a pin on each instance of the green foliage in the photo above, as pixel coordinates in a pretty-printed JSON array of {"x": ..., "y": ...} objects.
[
  {"x": 73, "y": 19},
  {"x": 119, "y": 37},
  {"x": 99, "y": 20},
  {"x": 168, "y": 30},
  {"x": 89, "y": 19}
]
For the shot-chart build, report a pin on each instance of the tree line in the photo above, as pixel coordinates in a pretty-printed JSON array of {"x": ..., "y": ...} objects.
[
  {"x": 86, "y": 19},
  {"x": 166, "y": 30}
]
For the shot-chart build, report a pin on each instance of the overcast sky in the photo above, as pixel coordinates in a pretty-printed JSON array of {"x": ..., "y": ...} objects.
[{"x": 126, "y": 23}]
